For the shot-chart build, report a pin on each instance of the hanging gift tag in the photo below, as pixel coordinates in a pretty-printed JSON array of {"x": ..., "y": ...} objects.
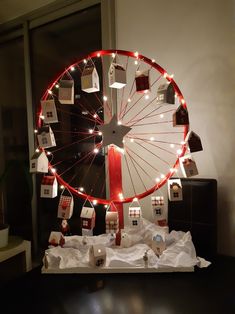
[
  {"x": 188, "y": 166},
  {"x": 117, "y": 76},
  {"x": 175, "y": 190},
  {"x": 165, "y": 94},
  {"x": 46, "y": 137},
  {"x": 49, "y": 111},
  {"x": 90, "y": 80},
  {"x": 65, "y": 207},
  {"x": 39, "y": 163},
  {"x": 135, "y": 215},
  {"x": 49, "y": 187},
  {"x": 66, "y": 92}
]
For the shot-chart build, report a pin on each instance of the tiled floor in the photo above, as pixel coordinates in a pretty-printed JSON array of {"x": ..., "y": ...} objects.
[{"x": 205, "y": 291}]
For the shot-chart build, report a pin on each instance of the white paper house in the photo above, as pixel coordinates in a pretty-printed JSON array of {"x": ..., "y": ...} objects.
[
  {"x": 142, "y": 81},
  {"x": 158, "y": 244},
  {"x": 117, "y": 76},
  {"x": 194, "y": 142},
  {"x": 97, "y": 255},
  {"x": 39, "y": 163},
  {"x": 111, "y": 222},
  {"x": 56, "y": 238},
  {"x": 49, "y": 187},
  {"x": 49, "y": 111},
  {"x": 175, "y": 190},
  {"x": 46, "y": 137},
  {"x": 87, "y": 218},
  {"x": 66, "y": 92},
  {"x": 165, "y": 94},
  {"x": 159, "y": 211},
  {"x": 188, "y": 166},
  {"x": 90, "y": 80},
  {"x": 65, "y": 207},
  {"x": 135, "y": 218}
]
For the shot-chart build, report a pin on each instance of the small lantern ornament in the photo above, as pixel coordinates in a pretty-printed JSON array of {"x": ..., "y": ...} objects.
[
  {"x": 39, "y": 163},
  {"x": 87, "y": 220},
  {"x": 97, "y": 255},
  {"x": 111, "y": 222},
  {"x": 142, "y": 81},
  {"x": 49, "y": 111},
  {"x": 194, "y": 142},
  {"x": 117, "y": 76},
  {"x": 180, "y": 116},
  {"x": 158, "y": 210},
  {"x": 188, "y": 166},
  {"x": 175, "y": 190},
  {"x": 165, "y": 94},
  {"x": 49, "y": 187},
  {"x": 46, "y": 137},
  {"x": 65, "y": 207},
  {"x": 66, "y": 92},
  {"x": 90, "y": 80}
]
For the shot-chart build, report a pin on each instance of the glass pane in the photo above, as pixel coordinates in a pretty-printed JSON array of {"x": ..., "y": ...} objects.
[
  {"x": 15, "y": 180},
  {"x": 55, "y": 46}
]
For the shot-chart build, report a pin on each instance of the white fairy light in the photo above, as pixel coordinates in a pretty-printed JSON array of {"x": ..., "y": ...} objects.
[
  {"x": 161, "y": 115},
  {"x": 153, "y": 60},
  {"x": 53, "y": 170},
  {"x": 105, "y": 206},
  {"x": 132, "y": 140},
  {"x": 135, "y": 62},
  {"x": 91, "y": 131},
  {"x": 172, "y": 170},
  {"x": 49, "y": 91},
  {"x": 95, "y": 202},
  {"x": 165, "y": 74},
  {"x": 95, "y": 115},
  {"x": 172, "y": 75},
  {"x": 81, "y": 189},
  {"x": 162, "y": 176},
  {"x": 57, "y": 85},
  {"x": 179, "y": 151},
  {"x": 105, "y": 98},
  {"x": 48, "y": 153},
  {"x": 35, "y": 131},
  {"x": 85, "y": 61},
  {"x": 182, "y": 101},
  {"x": 146, "y": 96},
  {"x": 72, "y": 68},
  {"x": 157, "y": 180},
  {"x": 62, "y": 187},
  {"x": 182, "y": 142},
  {"x": 136, "y": 54},
  {"x": 113, "y": 55},
  {"x": 129, "y": 100},
  {"x": 119, "y": 122},
  {"x": 42, "y": 117},
  {"x": 96, "y": 150},
  {"x": 151, "y": 138},
  {"x": 172, "y": 145},
  {"x": 98, "y": 54},
  {"x": 99, "y": 133},
  {"x": 135, "y": 199},
  {"x": 37, "y": 150},
  {"x": 120, "y": 195}
]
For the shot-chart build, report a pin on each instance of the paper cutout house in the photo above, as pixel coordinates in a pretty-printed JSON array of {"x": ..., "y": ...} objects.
[
  {"x": 112, "y": 222},
  {"x": 90, "y": 80},
  {"x": 175, "y": 190},
  {"x": 180, "y": 116},
  {"x": 46, "y": 137},
  {"x": 97, "y": 255},
  {"x": 66, "y": 92},
  {"x": 194, "y": 142},
  {"x": 39, "y": 163},
  {"x": 117, "y": 76},
  {"x": 49, "y": 187},
  {"x": 142, "y": 81},
  {"x": 158, "y": 210},
  {"x": 49, "y": 111},
  {"x": 158, "y": 244},
  {"x": 87, "y": 220},
  {"x": 188, "y": 166},
  {"x": 65, "y": 207},
  {"x": 56, "y": 238},
  {"x": 165, "y": 94},
  {"x": 135, "y": 217}
]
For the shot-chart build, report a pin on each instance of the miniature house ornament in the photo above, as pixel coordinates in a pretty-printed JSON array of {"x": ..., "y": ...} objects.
[
  {"x": 39, "y": 162},
  {"x": 117, "y": 76},
  {"x": 65, "y": 207},
  {"x": 158, "y": 210},
  {"x": 180, "y": 116},
  {"x": 175, "y": 190},
  {"x": 135, "y": 217},
  {"x": 87, "y": 220},
  {"x": 46, "y": 137},
  {"x": 142, "y": 81},
  {"x": 158, "y": 244},
  {"x": 188, "y": 166},
  {"x": 194, "y": 142},
  {"x": 49, "y": 111},
  {"x": 112, "y": 222},
  {"x": 49, "y": 187},
  {"x": 56, "y": 238},
  {"x": 90, "y": 80},
  {"x": 97, "y": 255},
  {"x": 165, "y": 94},
  {"x": 66, "y": 92}
]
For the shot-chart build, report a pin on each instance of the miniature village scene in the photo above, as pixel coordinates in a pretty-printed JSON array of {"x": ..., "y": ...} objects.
[{"x": 119, "y": 113}]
